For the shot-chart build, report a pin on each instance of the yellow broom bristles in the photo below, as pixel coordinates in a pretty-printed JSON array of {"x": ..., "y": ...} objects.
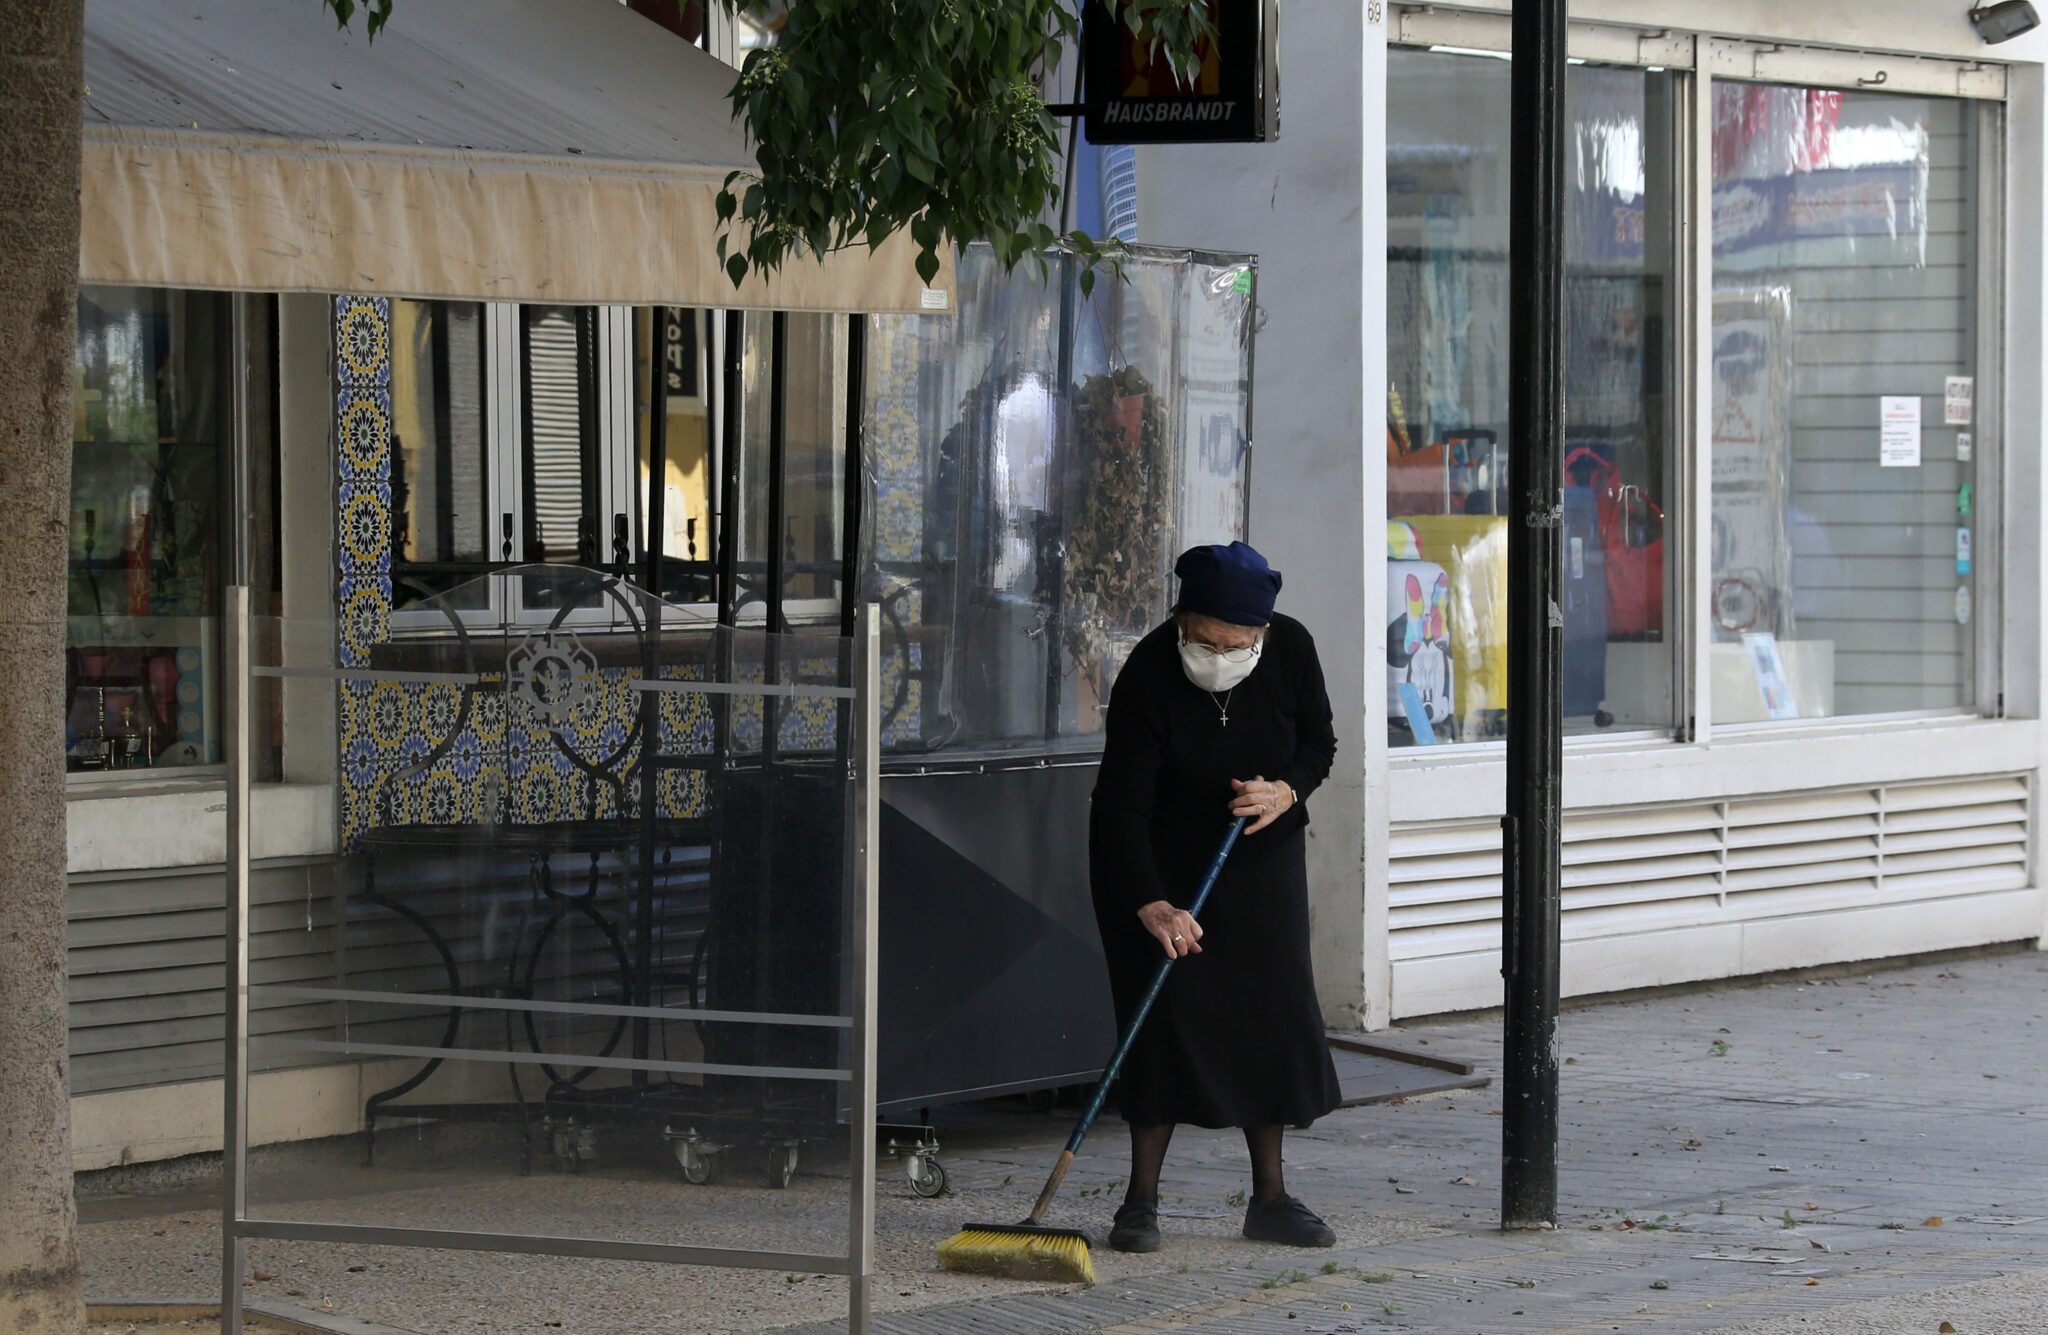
[{"x": 1019, "y": 1254}]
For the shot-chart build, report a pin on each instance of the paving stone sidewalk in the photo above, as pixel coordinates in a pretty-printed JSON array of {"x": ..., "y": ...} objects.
[{"x": 1860, "y": 1154}]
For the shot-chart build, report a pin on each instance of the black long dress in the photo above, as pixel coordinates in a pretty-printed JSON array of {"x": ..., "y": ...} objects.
[{"x": 1237, "y": 1037}]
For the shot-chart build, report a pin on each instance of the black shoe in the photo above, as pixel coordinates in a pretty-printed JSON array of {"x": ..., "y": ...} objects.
[
  {"x": 1136, "y": 1228},
  {"x": 1288, "y": 1222}
]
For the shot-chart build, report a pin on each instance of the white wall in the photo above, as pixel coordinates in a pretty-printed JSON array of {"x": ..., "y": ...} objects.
[{"x": 1312, "y": 207}]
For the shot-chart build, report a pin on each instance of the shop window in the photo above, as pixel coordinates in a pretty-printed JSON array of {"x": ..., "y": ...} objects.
[
  {"x": 1449, "y": 367},
  {"x": 151, "y": 444},
  {"x": 1844, "y": 571}
]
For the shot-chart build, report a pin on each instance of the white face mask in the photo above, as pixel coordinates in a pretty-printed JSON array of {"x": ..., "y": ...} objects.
[{"x": 1213, "y": 671}]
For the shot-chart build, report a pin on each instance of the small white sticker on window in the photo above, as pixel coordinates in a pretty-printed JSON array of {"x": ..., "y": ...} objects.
[
  {"x": 1957, "y": 398},
  {"x": 934, "y": 299}
]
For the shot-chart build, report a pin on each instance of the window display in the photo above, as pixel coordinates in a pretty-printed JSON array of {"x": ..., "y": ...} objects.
[
  {"x": 149, "y": 453},
  {"x": 1447, "y": 397},
  {"x": 1844, "y": 356}
]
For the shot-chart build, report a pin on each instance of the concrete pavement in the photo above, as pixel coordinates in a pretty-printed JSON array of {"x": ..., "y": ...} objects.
[{"x": 1865, "y": 1153}]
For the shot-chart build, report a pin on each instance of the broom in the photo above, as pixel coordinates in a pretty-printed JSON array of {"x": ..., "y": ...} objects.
[{"x": 1031, "y": 1250}]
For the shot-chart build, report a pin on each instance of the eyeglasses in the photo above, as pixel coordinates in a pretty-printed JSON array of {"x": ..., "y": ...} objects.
[{"x": 1245, "y": 654}]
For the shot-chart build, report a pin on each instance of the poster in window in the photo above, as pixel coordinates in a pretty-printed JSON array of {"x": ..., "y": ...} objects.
[{"x": 1751, "y": 552}]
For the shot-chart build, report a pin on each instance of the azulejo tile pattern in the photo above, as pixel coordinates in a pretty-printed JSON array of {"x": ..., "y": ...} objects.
[
  {"x": 408, "y": 754},
  {"x": 896, "y": 458}
]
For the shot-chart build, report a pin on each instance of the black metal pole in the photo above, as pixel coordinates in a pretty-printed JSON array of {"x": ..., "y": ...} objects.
[
  {"x": 1532, "y": 856},
  {"x": 654, "y": 526},
  {"x": 854, "y": 496}
]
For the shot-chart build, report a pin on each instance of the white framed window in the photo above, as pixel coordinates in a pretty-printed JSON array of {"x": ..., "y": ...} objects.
[
  {"x": 522, "y": 435},
  {"x": 512, "y": 443}
]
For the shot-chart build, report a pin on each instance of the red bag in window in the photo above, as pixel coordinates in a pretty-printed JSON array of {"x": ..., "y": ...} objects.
[{"x": 1632, "y": 539}]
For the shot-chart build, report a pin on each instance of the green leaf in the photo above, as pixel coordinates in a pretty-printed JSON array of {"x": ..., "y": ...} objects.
[
  {"x": 726, "y": 204},
  {"x": 860, "y": 128},
  {"x": 927, "y": 266},
  {"x": 1087, "y": 282},
  {"x": 736, "y": 269}
]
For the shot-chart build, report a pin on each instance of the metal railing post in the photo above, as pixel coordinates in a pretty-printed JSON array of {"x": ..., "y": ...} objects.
[
  {"x": 867, "y": 757},
  {"x": 235, "y": 1041}
]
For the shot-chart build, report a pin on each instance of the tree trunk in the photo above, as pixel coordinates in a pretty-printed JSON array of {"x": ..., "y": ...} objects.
[{"x": 42, "y": 73}]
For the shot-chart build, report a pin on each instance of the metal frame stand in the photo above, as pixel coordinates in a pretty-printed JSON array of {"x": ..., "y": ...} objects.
[
  {"x": 856, "y": 1263},
  {"x": 235, "y": 1051}
]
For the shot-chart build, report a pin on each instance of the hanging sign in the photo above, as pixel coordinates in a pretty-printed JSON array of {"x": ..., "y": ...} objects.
[
  {"x": 1133, "y": 96},
  {"x": 1898, "y": 441}
]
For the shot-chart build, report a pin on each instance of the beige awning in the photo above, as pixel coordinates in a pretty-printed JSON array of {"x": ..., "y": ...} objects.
[{"x": 516, "y": 150}]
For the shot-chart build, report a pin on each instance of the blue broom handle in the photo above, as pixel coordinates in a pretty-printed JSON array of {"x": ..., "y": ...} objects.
[{"x": 1130, "y": 1035}]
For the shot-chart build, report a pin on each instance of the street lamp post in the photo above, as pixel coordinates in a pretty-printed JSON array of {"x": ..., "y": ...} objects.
[{"x": 1533, "y": 829}]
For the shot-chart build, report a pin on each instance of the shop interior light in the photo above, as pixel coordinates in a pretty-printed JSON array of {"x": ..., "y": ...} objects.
[{"x": 2003, "y": 22}]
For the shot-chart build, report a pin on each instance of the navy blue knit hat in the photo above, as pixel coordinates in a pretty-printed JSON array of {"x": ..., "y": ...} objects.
[{"x": 1231, "y": 583}]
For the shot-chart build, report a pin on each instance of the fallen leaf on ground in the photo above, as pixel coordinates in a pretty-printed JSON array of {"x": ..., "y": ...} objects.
[
  {"x": 1660, "y": 1283},
  {"x": 1463, "y": 1182},
  {"x": 1404, "y": 1191},
  {"x": 1812, "y": 1283},
  {"x": 1946, "y": 1328},
  {"x": 1931, "y": 1221}
]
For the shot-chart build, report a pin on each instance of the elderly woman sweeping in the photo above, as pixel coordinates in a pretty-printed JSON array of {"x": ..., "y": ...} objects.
[{"x": 1219, "y": 713}]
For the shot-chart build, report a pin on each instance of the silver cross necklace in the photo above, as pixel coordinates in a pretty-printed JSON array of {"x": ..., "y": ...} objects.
[{"x": 1223, "y": 705}]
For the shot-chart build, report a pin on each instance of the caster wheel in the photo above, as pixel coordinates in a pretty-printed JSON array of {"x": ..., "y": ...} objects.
[
  {"x": 781, "y": 1165},
  {"x": 697, "y": 1166},
  {"x": 927, "y": 1176}
]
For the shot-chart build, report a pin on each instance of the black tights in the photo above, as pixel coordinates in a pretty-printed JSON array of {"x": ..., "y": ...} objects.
[{"x": 1148, "y": 1154}]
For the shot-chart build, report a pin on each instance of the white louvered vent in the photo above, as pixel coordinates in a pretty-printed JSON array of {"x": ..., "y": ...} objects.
[{"x": 1653, "y": 869}]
